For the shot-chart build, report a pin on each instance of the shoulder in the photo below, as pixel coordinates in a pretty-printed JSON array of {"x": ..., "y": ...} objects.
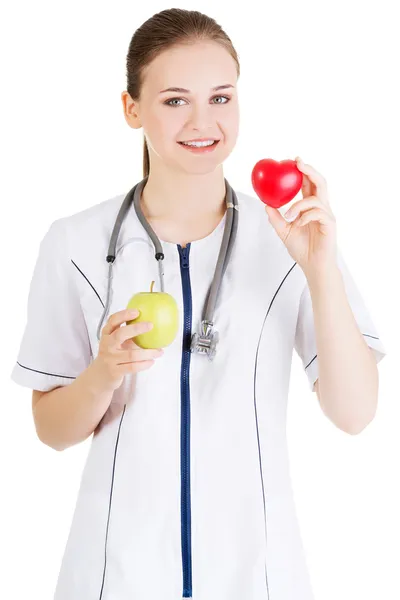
[
  {"x": 253, "y": 208},
  {"x": 247, "y": 201},
  {"x": 79, "y": 242},
  {"x": 95, "y": 217},
  {"x": 257, "y": 234},
  {"x": 255, "y": 220},
  {"x": 87, "y": 227}
]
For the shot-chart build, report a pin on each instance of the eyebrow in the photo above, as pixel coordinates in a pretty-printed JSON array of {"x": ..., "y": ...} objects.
[{"x": 185, "y": 91}]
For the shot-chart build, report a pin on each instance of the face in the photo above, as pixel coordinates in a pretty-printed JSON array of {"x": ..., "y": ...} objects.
[{"x": 170, "y": 117}]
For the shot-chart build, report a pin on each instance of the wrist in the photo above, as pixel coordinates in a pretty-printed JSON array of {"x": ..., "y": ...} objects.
[
  {"x": 98, "y": 382},
  {"x": 324, "y": 278}
]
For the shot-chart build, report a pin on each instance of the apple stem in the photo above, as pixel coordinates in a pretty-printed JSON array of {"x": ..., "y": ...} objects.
[{"x": 151, "y": 287}]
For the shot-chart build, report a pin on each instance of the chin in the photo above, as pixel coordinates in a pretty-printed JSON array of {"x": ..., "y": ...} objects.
[{"x": 199, "y": 171}]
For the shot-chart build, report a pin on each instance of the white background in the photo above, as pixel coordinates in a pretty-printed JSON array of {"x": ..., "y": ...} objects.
[{"x": 318, "y": 79}]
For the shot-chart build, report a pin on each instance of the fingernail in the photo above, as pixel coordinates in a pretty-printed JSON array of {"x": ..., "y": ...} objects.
[{"x": 290, "y": 216}]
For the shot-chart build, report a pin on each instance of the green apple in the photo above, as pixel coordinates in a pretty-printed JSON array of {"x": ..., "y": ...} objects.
[{"x": 160, "y": 309}]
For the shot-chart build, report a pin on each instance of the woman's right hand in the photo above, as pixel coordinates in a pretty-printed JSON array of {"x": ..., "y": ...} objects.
[{"x": 118, "y": 354}]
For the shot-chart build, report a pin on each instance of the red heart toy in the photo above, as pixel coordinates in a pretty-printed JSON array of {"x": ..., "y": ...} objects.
[{"x": 276, "y": 183}]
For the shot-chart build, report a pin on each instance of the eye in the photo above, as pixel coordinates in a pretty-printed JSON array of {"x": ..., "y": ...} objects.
[{"x": 167, "y": 102}]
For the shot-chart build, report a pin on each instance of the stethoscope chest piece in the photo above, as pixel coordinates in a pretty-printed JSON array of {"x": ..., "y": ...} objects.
[{"x": 205, "y": 342}]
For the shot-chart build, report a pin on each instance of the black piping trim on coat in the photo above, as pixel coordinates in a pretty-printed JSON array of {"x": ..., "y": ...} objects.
[
  {"x": 88, "y": 282},
  {"x": 54, "y": 374},
  {"x": 255, "y": 409},
  {"x": 44, "y": 372},
  {"x": 366, "y": 334},
  {"x": 109, "y": 505}
]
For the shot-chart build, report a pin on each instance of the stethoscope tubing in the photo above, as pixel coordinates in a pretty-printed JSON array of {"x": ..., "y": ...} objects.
[{"x": 229, "y": 236}]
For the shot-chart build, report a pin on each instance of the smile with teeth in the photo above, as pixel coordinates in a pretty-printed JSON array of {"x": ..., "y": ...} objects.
[{"x": 200, "y": 144}]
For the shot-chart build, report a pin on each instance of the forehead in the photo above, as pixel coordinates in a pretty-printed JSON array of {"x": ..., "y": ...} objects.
[{"x": 204, "y": 64}]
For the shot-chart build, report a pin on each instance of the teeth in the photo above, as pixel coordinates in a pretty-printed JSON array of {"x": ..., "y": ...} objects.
[{"x": 199, "y": 144}]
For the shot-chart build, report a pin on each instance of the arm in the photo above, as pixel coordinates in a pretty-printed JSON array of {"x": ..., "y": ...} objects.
[
  {"x": 348, "y": 375},
  {"x": 69, "y": 414}
]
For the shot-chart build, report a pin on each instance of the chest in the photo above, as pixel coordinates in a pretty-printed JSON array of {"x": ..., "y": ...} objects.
[
  {"x": 184, "y": 233},
  {"x": 256, "y": 294}
]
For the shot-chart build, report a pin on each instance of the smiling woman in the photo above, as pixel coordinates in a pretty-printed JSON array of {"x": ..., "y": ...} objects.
[
  {"x": 186, "y": 491},
  {"x": 198, "y": 65},
  {"x": 193, "y": 185}
]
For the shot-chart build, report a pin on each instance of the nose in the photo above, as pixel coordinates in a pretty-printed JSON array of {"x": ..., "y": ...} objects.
[{"x": 201, "y": 118}]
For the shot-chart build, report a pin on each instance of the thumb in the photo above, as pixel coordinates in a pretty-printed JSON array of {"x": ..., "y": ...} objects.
[{"x": 277, "y": 221}]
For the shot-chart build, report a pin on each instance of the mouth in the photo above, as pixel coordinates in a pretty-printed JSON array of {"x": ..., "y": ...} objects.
[{"x": 200, "y": 149}]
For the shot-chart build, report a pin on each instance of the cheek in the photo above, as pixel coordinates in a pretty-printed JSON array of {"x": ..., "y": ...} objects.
[
  {"x": 230, "y": 129},
  {"x": 229, "y": 123},
  {"x": 166, "y": 129}
]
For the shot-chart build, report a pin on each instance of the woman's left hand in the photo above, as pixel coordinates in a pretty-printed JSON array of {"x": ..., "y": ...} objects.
[{"x": 311, "y": 237}]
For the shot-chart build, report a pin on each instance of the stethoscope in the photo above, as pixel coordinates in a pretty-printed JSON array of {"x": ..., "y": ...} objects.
[{"x": 204, "y": 342}]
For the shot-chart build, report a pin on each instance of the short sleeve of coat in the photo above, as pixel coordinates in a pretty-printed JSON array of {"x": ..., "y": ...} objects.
[
  {"x": 305, "y": 342},
  {"x": 55, "y": 345}
]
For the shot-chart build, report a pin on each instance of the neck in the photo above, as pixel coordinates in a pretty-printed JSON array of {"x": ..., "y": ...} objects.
[{"x": 184, "y": 197}]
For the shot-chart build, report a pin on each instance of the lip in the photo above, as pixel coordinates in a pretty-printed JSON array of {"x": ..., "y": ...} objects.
[
  {"x": 200, "y": 140},
  {"x": 201, "y": 149}
]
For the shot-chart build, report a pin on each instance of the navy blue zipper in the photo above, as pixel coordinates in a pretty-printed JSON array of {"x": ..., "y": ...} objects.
[{"x": 185, "y": 424}]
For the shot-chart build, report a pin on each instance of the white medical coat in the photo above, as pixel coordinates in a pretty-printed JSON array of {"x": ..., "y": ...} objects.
[{"x": 186, "y": 491}]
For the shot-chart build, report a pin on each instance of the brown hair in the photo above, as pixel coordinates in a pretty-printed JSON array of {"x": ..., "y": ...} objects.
[{"x": 163, "y": 30}]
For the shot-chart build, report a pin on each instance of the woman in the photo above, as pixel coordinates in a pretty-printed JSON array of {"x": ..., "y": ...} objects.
[{"x": 186, "y": 491}]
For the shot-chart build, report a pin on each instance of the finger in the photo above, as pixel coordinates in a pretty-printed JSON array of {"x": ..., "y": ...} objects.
[
  {"x": 315, "y": 178},
  {"x": 128, "y": 344},
  {"x": 139, "y": 354},
  {"x": 301, "y": 205},
  {"x": 277, "y": 221},
  {"x": 116, "y": 319},
  {"x": 131, "y": 331},
  {"x": 306, "y": 185},
  {"x": 314, "y": 214},
  {"x": 134, "y": 367}
]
